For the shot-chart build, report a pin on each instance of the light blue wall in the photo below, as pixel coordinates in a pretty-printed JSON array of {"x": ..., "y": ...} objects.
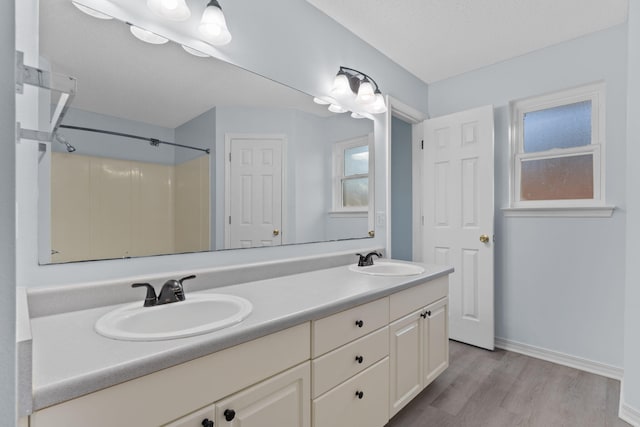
[
  {"x": 7, "y": 218},
  {"x": 293, "y": 43},
  {"x": 559, "y": 281},
  {"x": 631, "y": 383},
  {"x": 401, "y": 190},
  {"x": 201, "y": 132}
]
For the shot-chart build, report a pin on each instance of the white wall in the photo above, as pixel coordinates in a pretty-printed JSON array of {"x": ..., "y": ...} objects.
[
  {"x": 304, "y": 50},
  {"x": 7, "y": 218},
  {"x": 631, "y": 383},
  {"x": 559, "y": 282}
]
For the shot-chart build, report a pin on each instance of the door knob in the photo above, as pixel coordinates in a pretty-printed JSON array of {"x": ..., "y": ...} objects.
[
  {"x": 276, "y": 232},
  {"x": 484, "y": 238}
]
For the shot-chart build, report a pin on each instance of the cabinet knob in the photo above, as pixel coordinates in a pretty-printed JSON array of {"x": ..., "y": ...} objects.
[
  {"x": 207, "y": 423},
  {"x": 359, "y": 394},
  {"x": 359, "y": 323},
  {"x": 429, "y": 313},
  {"x": 359, "y": 359},
  {"x": 423, "y": 315},
  {"x": 229, "y": 414}
]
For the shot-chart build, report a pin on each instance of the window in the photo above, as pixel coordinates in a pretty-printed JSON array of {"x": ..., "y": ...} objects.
[
  {"x": 353, "y": 175},
  {"x": 558, "y": 151}
]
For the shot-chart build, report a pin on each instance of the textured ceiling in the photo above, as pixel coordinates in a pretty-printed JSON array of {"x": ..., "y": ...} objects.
[{"x": 437, "y": 39}]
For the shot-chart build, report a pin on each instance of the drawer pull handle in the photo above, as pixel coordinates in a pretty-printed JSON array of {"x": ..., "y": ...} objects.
[
  {"x": 359, "y": 359},
  {"x": 229, "y": 414},
  {"x": 207, "y": 423},
  {"x": 425, "y": 314},
  {"x": 360, "y": 394},
  {"x": 359, "y": 323}
]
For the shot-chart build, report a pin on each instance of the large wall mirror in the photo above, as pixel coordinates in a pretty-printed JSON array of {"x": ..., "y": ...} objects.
[{"x": 250, "y": 162}]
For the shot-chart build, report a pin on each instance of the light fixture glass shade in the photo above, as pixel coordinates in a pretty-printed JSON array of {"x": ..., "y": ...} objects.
[
  {"x": 174, "y": 10},
  {"x": 147, "y": 36},
  {"x": 337, "y": 109},
  {"x": 340, "y": 85},
  {"x": 91, "y": 12},
  {"x": 213, "y": 25},
  {"x": 365, "y": 93},
  {"x": 324, "y": 100},
  {"x": 378, "y": 106},
  {"x": 357, "y": 116},
  {"x": 194, "y": 52}
]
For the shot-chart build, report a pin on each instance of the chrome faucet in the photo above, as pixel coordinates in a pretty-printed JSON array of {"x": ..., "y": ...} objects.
[
  {"x": 172, "y": 291},
  {"x": 366, "y": 260}
]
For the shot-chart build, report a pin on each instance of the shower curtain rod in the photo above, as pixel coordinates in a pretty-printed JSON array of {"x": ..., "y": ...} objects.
[{"x": 153, "y": 141}]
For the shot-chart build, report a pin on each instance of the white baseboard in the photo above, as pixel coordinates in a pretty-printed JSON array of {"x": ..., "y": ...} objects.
[
  {"x": 561, "y": 358},
  {"x": 629, "y": 414}
]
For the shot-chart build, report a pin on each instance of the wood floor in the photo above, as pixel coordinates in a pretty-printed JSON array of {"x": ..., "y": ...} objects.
[{"x": 504, "y": 389}]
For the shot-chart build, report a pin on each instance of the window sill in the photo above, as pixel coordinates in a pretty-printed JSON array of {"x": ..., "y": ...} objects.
[
  {"x": 348, "y": 214},
  {"x": 561, "y": 212}
]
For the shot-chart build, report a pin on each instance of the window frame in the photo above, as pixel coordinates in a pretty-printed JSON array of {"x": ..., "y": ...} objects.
[
  {"x": 595, "y": 206},
  {"x": 338, "y": 150}
]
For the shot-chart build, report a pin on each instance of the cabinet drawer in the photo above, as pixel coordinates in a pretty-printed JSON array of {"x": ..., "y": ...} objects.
[
  {"x": 346, "y": 361},
  {"x": 412, "y": 299},
  {"x": 341, "y": 328},
  {"x": 198, "y": 419},
  {"x": 342, "y": 406}
]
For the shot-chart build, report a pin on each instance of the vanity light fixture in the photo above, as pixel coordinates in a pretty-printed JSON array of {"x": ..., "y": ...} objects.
[
  {"x": 91, "y": 12},
  {"x": 146, "y": 35},
  {"x": 213, "y": 25},
  {"x": 355, "y": 91},
  {"x": 174, "y": 10}
]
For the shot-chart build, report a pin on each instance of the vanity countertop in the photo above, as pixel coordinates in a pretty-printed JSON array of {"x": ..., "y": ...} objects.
[{"x": 70, "y": 359}]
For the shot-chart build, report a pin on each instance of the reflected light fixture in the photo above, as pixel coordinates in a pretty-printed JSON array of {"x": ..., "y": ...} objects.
[
  {"x": 146, "y": 35},
  {"x": 213, "y": 25},
  {"x": 355, "y": 91},
  {"x": 173, "y": 10},
  {"x": 194, "y": 52},
  {"x": 91, "y": 12}
]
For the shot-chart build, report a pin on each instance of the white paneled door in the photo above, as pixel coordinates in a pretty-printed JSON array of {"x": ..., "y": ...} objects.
[
  {"x": 458, "y": 217},
  {"x": 254, "y": 192}
]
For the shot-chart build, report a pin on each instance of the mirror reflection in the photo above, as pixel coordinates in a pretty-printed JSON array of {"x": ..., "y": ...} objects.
[{"x": 161, "y": 152}]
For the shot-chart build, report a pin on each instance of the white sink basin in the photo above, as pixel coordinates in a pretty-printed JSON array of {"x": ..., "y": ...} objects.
[
  {"x": 197, "y": 314},
  {"x": 388, "y": 268}
]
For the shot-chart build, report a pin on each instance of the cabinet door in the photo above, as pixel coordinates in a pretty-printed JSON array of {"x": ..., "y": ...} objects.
[
  {"x": 282, "y": 401},
  {"x": 435, "y": 340},
  {"x": 405, "y": 359}
]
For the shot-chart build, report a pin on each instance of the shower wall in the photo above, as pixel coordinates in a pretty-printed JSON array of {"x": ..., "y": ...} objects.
[{"x": 110, "y": 208}]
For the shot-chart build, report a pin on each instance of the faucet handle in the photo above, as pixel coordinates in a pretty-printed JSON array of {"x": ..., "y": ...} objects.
[
  {"x": 362, "y": 260},
  {"x": 193, "y": 276},
  {"x": 150, "y": 299}
]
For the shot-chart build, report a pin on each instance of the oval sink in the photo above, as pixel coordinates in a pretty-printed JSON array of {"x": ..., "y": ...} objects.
[
  {"x": 389, "y": 268},
  {"x": 197, "y": 314}
]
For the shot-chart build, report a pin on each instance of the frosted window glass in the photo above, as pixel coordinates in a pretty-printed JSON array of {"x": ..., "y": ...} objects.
[
  {"x": 356, "y": 160},
  {"x": 355, "y": 192},
  {"x": 565, "y": 126},
  {"x": 559, "y": 178}
]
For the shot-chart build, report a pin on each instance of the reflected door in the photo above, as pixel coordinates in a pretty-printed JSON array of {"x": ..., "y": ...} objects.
[
  {"x": 458, "y": 217},
  {"x": 254, "y": 193}
]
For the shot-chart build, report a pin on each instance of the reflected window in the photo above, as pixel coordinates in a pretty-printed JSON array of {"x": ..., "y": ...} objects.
[
  {"x": 353, "y": 174},
  {"x": 558, "y": 143}
]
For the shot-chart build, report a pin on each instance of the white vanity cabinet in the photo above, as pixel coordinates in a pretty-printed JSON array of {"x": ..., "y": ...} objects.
[
  {"x": 355, "y": 368},
  {"x": 418, "y": 340}
]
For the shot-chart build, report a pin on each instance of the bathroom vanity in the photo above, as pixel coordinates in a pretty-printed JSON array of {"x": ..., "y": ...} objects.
[{"x": 331, "y": 347}]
